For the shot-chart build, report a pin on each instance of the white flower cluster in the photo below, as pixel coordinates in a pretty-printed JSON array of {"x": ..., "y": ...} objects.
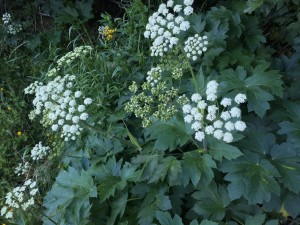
[
  {"x": 61, "y": 107},
  {"x": 6, "y": 18},
  {"x": 20, "y": 197},
  {"x": 195, "y": 46},
  {"x": 165, "y": 24},
  {"x": 11, "y": 28},
  {"x": 22, "y": 168},
  {"x": 69, "y": 58},
  {"x": 206, "y": 118},
  {"x": 154, "y": 76},
  {"x": 39, "y": 151}
]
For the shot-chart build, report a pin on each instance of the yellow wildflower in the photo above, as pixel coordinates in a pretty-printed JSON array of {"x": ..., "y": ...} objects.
[
  {"x": 108, "y": 33},
  {"x": 19, "y": 133}
]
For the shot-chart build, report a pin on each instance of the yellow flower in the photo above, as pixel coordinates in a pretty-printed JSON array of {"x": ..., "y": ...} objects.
[
  {"x": 19, "y": 133},
  {"x": 108, "y": 33},
  {"x": 1, "y": 89},
  {"x": 8, "y": 108}
]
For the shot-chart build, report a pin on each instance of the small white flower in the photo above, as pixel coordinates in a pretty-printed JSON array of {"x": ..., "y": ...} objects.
[
  {"x": 196, "y": 97},
  {"x": 33, "y": 184},
  {"x": 240, "y": 98},
  {"x": 3, "y": 210},
  {"x": 202, "y": 104},
  {"x": 218, "y": 134},
  {"x": 170, "y": 3},
  {"x": 196, "y": 126},
  {"x": 229, "y": 126},
  {"x": 9, "y": 214},
  {"x": 212, "y": 109},
  {"x": 87, "y": 101},
  {"x": 199, "y": 135},
  {"x": 225, "y": 115},
  {"x": 68, "y": 117},
  {"x": 198, "y": 116},
  {"x": 209, "y": 129},
  {"x": 186, "y": 108},
  {"x": 75, "y": 119},
  {"x": 194, "y": 111},
  {"x": 218, "y": 124},
  {"x": 210, "y": 117},
  {"x": 227, "y": 137},
  {"x": 177, "y": 8},
  {"x": 235, "y": 112},
  {"x": 84, "y": 116},
  {"x": 54, "y": 127},
  {"x": 188, "y": 118},
  {"x": 188, "y": 10},
  {"x": 240, "y": 125},
  {"x": 188, "y": 2},
  {"x": 77, "y": 94},
  {"x": 33, "y": 192},
  {"x": 72, "y": 102},
  {"x": 226, "y": 102}
]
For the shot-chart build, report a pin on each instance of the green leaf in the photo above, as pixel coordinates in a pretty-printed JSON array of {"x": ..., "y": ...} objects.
[
  {"x": 252, "y": 5},
  {"x": 168, "y": 167},
  {"x": 272, "y": 222},
  {"x": 211, "y": 202},
  {"x": 253, "y": 35},
  {"x": 108, "y": 186},
  {"x": 286, "y": 161},
  {"x": 118, "y": 208},
  {"x": 252, "y": 178},
  {"x": 165, "y": 218},
  {"x": 196, "y": 166},
  {"x": 208, "y": 222},
  {"x": 259, "y": 88},
  {"x": 291, "y": 204},
  {"x": 221, "y": 149},
  {"x": 168, "y": 135},
  {"x": 255, "y": 220},
  {"x": 68, "y": 199},
  {"x": 163, "y": 203}
]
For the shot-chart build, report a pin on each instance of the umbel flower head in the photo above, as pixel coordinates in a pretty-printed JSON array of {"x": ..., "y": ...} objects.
[
  {"x": 61, "y": 106},
  {"x": 20, "y": 197},
  {"x": 209, "y": 117},
  {"x": 166, "y": 24}
]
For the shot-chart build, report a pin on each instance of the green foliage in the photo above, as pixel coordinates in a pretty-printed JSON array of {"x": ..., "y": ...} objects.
[{"x": 117, "y": 171}]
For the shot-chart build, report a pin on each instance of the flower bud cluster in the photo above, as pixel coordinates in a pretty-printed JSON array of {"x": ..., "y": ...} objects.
[
  {"x": 208, "y": 118},
  {"x": 154, "y": 76},
  {"x": 21, "y": 197},
  {"x": 61, "y": 107},
  {"x": 39, "y": 151},
  {"x": 195, "y": 46},
  {"x": 11, "y": 27},
  {"x": 68, "y": 58},
  {"x": 166, "y": 24},
  {"x": 155, "y": 100}
]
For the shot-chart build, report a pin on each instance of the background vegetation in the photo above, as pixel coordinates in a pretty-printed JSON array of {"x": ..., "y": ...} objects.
[{"x": 117, "y": 171}]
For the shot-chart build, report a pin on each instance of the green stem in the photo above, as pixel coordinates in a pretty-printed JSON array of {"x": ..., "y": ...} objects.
[
  {"x": 190, "y": 68},
  {"x": 103, "y": 133}
]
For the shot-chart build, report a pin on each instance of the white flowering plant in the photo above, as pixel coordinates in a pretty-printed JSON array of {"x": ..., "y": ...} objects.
[{"x": 179, "y": 118}]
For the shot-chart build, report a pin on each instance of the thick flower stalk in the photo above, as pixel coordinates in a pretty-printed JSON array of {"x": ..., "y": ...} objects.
[{"x": 208, "y": 118}]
